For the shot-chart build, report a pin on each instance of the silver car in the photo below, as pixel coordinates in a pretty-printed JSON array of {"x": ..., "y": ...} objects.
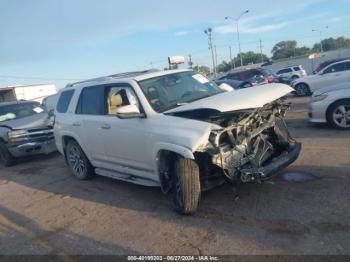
[
  {"x": 331, "y": 105},
  {"x": 25, "y": 129}
]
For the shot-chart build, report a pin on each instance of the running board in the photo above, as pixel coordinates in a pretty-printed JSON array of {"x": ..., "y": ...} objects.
[{"x": 126, "y": 177}]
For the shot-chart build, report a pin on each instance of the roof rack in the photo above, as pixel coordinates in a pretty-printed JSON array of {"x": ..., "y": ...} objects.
[{"x": 119, "y": 75}]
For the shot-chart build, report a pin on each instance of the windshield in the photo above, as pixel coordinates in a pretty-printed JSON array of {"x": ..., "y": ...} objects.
[
  {"x": 170, "y": 91},
  {"x": 16, "y": 111}
]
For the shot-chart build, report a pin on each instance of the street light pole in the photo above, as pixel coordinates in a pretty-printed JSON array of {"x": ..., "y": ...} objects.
[
  {"x": 210, "y": 43},
  {"x": 320, "y": 32},
  {"x": 237, "y": 28}
]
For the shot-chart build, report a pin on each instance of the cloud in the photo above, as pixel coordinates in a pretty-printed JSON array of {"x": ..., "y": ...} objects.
[
  {"x": 250, "y": 29},
  {"x": 181, "y": 33}
]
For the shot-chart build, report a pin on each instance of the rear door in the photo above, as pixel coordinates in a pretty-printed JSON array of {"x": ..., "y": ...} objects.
[{"x": 88, "y": 119}]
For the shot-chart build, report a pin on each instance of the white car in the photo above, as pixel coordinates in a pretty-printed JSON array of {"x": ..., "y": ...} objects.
[
  {"x": 174, "y": 129},
  {"x": 332, "y": 74},
  {"x": 331, "y": 105},
  {"x": 292, "y": 72}
]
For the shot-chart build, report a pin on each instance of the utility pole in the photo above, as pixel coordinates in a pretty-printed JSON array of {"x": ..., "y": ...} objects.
[
  {"x": 190, "y": 63},
  {"x": 320, "y": 32},
  {"x": 261, "y": 53},
  {"x": 210, "y": 44},
  {"x": 231, "y": 61},
  {"x": 216, "y": 57},
  {"x": 237, "y": 27}
]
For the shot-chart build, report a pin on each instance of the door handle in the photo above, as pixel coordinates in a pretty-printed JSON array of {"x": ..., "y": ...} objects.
[
  {"x": 106, "y": 126},
  {"x": 76, "y": 124}
]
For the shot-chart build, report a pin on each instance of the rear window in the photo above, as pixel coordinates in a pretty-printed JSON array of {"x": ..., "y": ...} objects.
[{"x": 64, "y": 100}]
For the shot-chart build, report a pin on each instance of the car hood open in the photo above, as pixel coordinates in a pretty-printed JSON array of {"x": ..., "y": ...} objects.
[{"x": 247, "y": 98}]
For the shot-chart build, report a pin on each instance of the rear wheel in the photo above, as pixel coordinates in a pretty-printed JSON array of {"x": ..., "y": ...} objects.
[
  {"x": 302, "y": 89},
  {"x": 338, "y": 115},
  {"x": 78, "y": 162},
  {"x": 6, "y": 159},
  {"x": 186, "y": 186}
]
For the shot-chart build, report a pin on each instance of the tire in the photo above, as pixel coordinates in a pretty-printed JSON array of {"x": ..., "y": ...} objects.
[
  {"x": 186, "y": 187},
  {"x": 338, "y": 114},
  {"x": 77, "y": 161},
  {"x": 302, "y": 89},
  {"x": 6, "y": 159}
]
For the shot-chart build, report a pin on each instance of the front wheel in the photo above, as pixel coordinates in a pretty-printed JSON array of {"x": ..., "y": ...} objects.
[
  {"x": 78, "y": 162},
  {"x": 302, "y": 89},
  {"x": 186, "y": 186},
  {"x": 338, "y": 115},
  {"x": 6, "y": 159}
]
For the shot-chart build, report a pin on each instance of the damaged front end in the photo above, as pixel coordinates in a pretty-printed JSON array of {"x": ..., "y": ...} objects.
[{"x": 251, "y": 146}]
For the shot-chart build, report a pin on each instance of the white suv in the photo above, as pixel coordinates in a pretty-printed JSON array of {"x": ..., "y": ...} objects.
[
  {"x": 173, "y": 129},
  {"x": 292, "y": 72},
  {"x": 331, "y": 75}
]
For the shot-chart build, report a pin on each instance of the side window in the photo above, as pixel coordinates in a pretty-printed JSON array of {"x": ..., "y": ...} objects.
[
  {"x": 330, "y": 69},
  {"x": 92, "y": 101},
  {"x": 64, "y": 100},
  {"x": 233, "y": 76},
  {"x": 296, "y": 68},
  {"x": 119, "y": 96},
  {"x": 344, "y": 66}
]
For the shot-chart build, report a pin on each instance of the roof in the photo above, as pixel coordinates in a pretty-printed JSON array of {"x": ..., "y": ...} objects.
[{"x": 137, "y": 76}]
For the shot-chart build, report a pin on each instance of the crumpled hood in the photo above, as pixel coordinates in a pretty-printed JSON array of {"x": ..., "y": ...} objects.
[
  {"x": 34, "y": 121},
  {"x": 247, "y": 98}
]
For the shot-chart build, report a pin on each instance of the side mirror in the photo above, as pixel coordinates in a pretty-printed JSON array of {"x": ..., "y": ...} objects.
[
  {"x": 226, "y": 87},
  {"x": 129, "y": 111}
]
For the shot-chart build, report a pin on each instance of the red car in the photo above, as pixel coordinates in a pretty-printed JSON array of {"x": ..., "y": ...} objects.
[{"x": 328, "y": 62}]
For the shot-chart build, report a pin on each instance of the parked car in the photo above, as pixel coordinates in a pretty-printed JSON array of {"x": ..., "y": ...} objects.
[
  {"x": 174, "y": 129},
  {"x": 25, "y": 129},
  {"x": 328, "y": 62},
  {"x": 254, "y": 76},
  {"x": 331, "y": 105},
  {"x": 235, "y": 84},
  {"x": 291, "y": 72},
  {"x": 331, "y": 75}
]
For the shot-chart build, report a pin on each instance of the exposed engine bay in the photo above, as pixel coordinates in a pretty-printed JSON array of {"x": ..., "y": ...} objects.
[{"x": 251, "y": 146}]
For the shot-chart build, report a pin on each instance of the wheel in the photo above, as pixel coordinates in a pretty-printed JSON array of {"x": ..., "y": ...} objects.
[
  {"x": 186, "y": 186},
  {"x": 302, "y": 89},
  {"x": 78, "y": 162},
  {"x": 338, "y": 114},
  {"x": 6, "y": 159}
]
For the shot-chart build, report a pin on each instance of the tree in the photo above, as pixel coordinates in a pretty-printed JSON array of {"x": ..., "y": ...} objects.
[
  {"x": 248, "y": 58},
  {"x": 286, "y": 49},
  {"x": 331, "y": 43}
]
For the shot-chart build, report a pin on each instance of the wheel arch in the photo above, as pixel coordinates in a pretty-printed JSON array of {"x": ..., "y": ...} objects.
[
  {"x": 165, "y": 155},
  {"x": 65, "y": 141}
]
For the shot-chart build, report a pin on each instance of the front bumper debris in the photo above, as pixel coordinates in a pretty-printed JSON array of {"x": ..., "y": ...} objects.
[
  {"x": 33, "y": 148},
  {"x": 32, "y": 142},
  {"x": 250, "y": 174}
]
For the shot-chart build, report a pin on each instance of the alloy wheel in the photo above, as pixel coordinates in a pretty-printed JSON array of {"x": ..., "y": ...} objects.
[
  {"x": 341, "y": 116},
  {"x": 76, "y": 161}
]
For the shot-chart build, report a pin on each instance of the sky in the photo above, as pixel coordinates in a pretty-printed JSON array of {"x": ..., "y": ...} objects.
[{"x": 62, "y": 41}]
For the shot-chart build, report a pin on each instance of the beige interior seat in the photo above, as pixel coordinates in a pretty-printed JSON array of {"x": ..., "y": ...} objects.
[{"x": 114, "y": 101}]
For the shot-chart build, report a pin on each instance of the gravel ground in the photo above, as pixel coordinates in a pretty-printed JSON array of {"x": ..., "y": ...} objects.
[{"x": 44, "y": 210}]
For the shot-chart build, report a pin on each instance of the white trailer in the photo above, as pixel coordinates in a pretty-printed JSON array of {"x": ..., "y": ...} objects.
[{"x": 27, "y": 92}]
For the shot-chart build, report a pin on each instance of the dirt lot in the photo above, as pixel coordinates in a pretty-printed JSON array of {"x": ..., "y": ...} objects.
[{"x": 44, "y": 210}]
